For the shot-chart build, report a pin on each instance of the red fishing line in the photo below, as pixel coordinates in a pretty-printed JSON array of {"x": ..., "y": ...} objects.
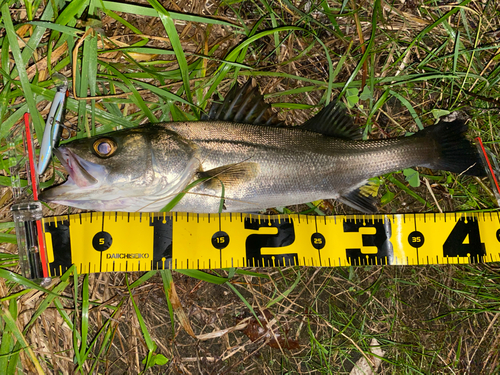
[{"x": 488, "y": 162}]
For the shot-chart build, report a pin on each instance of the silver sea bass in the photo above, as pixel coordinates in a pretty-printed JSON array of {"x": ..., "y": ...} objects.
[{"x": 239, "y": 153}]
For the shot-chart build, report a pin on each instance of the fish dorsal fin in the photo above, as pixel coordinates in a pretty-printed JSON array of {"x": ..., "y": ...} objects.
[
  {"x": 333, "y": 121},
  {"x": 244, "y": 105},
  {"x": 230, "y": 175},
  {"x": 362, "y": 198}
]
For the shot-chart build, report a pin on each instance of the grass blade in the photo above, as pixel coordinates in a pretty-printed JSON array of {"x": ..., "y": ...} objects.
[
  {"x": 152, "y": 12},
  {"x": 12, "y": 326},
  {"x": 169, "y": 25},
  {"x": 21, "y": 68},
  {"x": 203, "y": 276}
]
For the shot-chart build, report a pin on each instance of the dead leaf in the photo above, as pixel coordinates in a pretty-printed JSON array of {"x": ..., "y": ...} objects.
[
  {"x": 274, "y": 337},
  {"x": 179, "y": 311},
  {"x": 114, "y": 55},
  {"x": 41, "y": 65},
  {"x": 362, "y": 367}
]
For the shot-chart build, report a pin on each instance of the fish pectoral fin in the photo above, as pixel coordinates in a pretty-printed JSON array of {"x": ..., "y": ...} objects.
[
  {"x": 334, "y": 121},
  {"x": 230, "y": 175},
  {"x": 362, "y": 198}
]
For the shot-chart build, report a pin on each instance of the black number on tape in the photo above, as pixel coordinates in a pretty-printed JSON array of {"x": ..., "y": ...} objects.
[
  {"x": 318, "y": 241},
  {"x": 455, "y": 245},
  {"x": 220, "y": 240},
  {"x": 162, "y": 242},
  {"x": 380, "y": 240},
  {"x": 255, "y": 242},
  {"x": 61, "y": 247},
  {"x": 416, "y": 239},
  {"x": 102, "y": 241}
]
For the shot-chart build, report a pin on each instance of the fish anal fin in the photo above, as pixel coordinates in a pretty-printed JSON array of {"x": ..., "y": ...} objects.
[
  {"x": 362, "y": 198},
  {"x": 334, "y": 121},
  {"x": 244, "y": 105},
  {"x": 230, "y": 175}
]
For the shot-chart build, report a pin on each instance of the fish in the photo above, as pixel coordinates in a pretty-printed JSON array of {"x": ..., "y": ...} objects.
[{"x": 240, "y": 158}]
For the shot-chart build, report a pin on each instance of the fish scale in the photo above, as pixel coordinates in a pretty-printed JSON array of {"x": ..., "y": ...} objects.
[{"x": 302, "y": 166}]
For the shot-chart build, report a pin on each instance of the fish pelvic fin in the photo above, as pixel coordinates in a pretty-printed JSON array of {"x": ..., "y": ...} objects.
[
  {"x": 455, "y": 152},
  {"x": 244, "y": 105},
  {"x": 334, "y": 121},
  {"x": 230, "y": 175},
  {"x": 362, "y": 198}
]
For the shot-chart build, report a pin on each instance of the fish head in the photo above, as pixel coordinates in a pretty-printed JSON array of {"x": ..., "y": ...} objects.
[{"x": 116, "y": 171}]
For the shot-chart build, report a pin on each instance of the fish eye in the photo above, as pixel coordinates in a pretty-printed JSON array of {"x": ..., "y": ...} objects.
[{"x": 104, "y": 147}]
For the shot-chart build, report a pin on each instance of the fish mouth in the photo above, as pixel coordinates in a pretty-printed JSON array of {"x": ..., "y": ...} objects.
[
  {"x": 73, "y": 165},
  {"x": 79, "y": 177}
]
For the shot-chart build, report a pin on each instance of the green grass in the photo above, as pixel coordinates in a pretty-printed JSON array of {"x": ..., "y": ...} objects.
[{"x": 396, "y": 66}]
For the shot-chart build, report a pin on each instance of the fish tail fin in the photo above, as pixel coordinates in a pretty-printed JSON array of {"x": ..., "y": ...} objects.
[{"x": 455, "y": 153}]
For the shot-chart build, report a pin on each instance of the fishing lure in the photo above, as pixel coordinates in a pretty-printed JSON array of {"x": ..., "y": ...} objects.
[{"x": 52, "y": 125}]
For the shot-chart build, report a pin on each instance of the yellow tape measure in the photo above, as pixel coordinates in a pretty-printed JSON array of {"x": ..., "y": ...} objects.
[{"x": 116, "y": 241}]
